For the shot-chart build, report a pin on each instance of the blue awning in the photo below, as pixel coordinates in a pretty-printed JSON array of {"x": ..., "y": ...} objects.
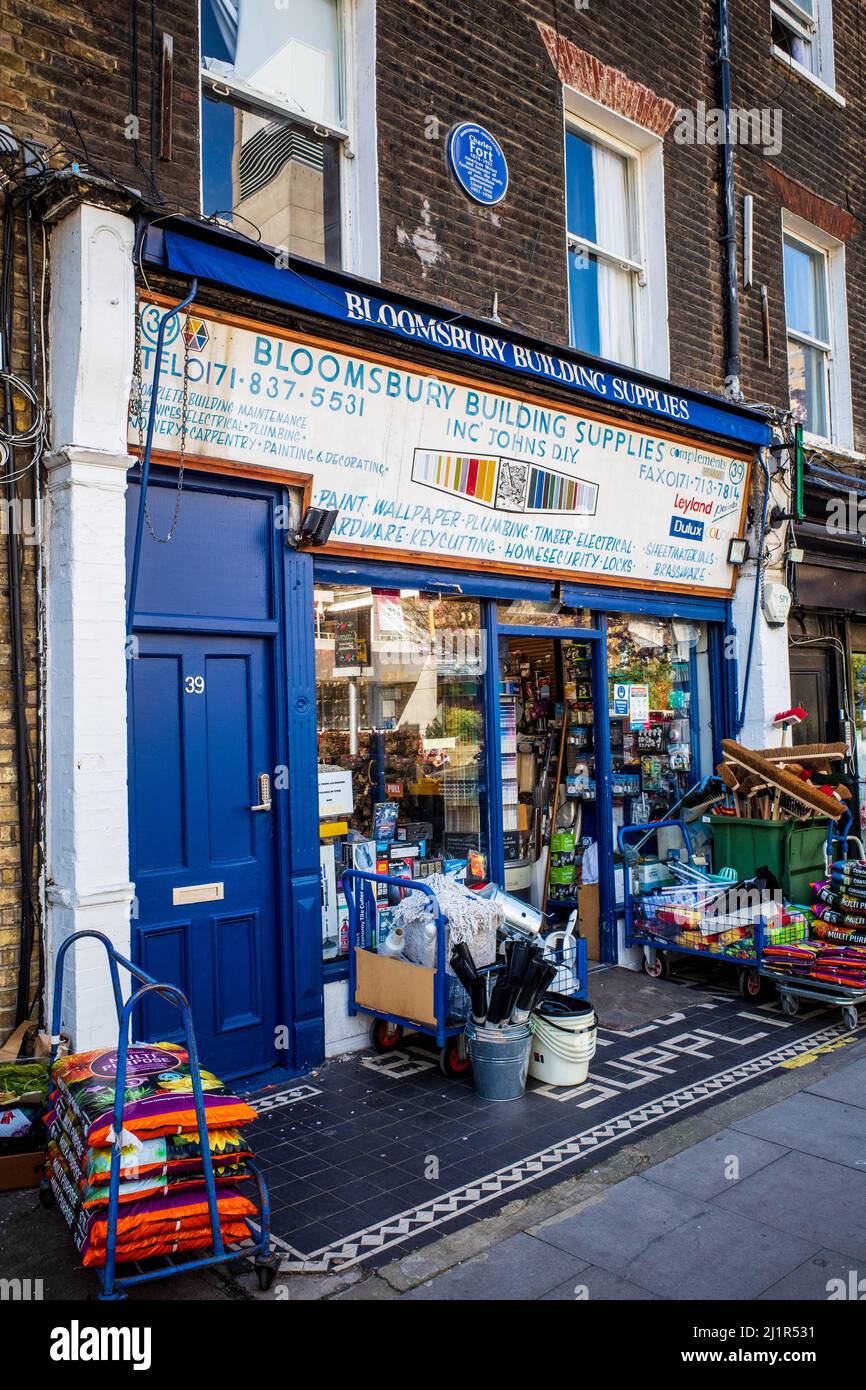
[{"x": 342, "y": 299}]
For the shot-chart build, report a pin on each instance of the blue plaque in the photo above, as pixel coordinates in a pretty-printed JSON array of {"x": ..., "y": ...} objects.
[{"x": 477, "y": 163}]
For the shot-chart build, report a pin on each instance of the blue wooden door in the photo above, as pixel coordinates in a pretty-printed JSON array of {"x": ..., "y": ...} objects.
[{"x": 206, "y": 916}]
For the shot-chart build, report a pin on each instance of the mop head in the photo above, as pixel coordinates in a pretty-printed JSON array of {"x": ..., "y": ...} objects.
[
  {"x": 467, "y": 913},
  {"x": 471, "y": 919}
]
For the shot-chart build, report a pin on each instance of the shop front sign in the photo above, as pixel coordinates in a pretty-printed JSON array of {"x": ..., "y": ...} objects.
[
  {"x": 448, "y": 469},
  {"x": 455, "y": 334}
]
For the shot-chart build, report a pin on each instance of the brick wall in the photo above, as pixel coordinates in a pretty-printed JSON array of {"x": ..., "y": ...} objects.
[
  {"x": 62, "y": 65},
  {"x": 490, "y": 61}
]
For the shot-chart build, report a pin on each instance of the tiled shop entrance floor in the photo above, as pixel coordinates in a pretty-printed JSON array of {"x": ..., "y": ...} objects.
[{"x": 374, "y": 1155}]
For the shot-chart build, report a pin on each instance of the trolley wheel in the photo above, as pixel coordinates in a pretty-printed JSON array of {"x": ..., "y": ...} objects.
[
  {"x": 660, "y": 968},
  {"x": 452, "y": 1063},
  {"x": 385, "y": 1036},
  {"x": 266, "y": 1273},
  {"x": 46, "y": 1198},
  {"x": 850, "y": 1017},
  {"x": 790, "y": 1005},
  {"x": 750, "y": 983}
]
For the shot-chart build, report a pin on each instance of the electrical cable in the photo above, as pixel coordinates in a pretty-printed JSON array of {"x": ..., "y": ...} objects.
[{"x": 23, "y": 747}]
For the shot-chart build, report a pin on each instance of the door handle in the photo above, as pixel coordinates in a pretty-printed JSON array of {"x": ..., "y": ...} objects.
[{"x": 265, "y": 803}]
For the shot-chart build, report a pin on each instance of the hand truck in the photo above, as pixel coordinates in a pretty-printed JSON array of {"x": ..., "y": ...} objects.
[{"x": 113, "y": 1288}]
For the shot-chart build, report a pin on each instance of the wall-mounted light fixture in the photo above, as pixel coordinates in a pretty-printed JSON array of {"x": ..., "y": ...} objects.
[
  {"x": 316, "y": 526},
  {"x": 738, "y": 551}
]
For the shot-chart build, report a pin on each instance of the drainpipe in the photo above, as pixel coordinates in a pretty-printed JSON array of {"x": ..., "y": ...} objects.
[
  {"x": 145, "y": 461},
  {"x": 759, "y": 569},
  {"x": 733, "y": 389}
]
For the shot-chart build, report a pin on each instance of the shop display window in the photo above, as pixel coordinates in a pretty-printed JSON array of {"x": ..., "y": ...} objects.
[
  {"x": 656, "y": 668},
  {"x": 528, "y": 612},
  {"x": 401, "y": 745}
]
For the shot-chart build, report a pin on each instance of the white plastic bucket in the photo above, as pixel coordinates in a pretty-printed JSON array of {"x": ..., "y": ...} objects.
[{"x": 563, "y": 1045}]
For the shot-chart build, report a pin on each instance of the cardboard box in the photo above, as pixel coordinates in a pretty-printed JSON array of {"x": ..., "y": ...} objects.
[
  {"x": 391, "y": 986},
  {"x": 588, "y": 914},
  {"x": 21, "y": 1170}
]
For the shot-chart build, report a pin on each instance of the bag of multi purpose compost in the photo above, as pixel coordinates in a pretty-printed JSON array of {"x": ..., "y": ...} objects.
[
  {"x": 132, "y": 1186},
  {"x": 165, "y": 1156},
  {"x": 158, "y": 1097},
  {"x": 153, "y": 1226}
]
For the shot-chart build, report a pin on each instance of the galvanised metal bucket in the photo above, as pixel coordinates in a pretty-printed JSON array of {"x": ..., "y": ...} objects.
[{"x": 500, "y": 1059}]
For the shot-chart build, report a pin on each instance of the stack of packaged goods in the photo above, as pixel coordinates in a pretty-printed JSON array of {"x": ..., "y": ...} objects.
[
  {"x": 840, "y": 904},
  {"x": 720, "y": 919},
  {"x": 163, "y": 1204},
  {"x": 814, "y": 960}
]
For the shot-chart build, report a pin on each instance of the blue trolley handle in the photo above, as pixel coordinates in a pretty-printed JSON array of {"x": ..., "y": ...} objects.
[
  {"x": 836, "y": 836},
  {"x": 172, "y": 995},
  {"x": 114, "y": 959},
  {"x": 652, "y": 827},
  {"x": 647, "y": 828},
  {"x": 406, "y": 885}
]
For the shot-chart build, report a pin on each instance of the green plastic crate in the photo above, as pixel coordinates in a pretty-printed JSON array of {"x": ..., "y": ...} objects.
[{"x": 793, "y": 851}]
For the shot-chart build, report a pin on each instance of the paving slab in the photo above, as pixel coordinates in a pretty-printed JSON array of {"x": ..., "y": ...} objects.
[
  {"x": 814, "y": 1125},
  {"x": 718, "y": 1255},
  {"x": 825, "y": 1274},
  {"x": 806, "y": 1196},
  {"x": 625, "y": 999},
  {"x": 614, "y": 1231},
  {"x": 520, "y": 1267},
  {"x": 597, "y": 1285},
  {"x": 848, "y": 1085},
  {"x": 704, "y": 1170}
]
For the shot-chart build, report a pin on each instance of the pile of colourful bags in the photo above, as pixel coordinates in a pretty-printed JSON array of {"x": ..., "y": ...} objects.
[
  {"x": 162, "y": 1199},
  {"x": 813, "y": 960}
]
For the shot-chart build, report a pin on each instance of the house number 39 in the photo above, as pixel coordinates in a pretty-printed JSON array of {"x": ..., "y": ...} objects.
[{"x": 194, "y": 685}]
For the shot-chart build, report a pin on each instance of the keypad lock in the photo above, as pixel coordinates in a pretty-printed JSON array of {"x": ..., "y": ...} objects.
[{"x": 265, "y": 803}]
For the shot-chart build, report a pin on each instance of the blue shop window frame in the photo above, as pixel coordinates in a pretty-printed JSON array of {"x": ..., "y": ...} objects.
[{"x": 601, "y": 601}]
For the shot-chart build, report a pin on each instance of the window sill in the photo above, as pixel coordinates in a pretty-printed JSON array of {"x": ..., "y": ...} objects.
[
  {"x": 793, "y": 66},
  {"x": 844, "y": 452}
]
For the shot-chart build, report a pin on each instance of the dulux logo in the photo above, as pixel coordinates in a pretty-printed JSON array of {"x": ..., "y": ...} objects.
[
  {"x": 77, "y": 1343},
  {"x": 685, "y": 529}
]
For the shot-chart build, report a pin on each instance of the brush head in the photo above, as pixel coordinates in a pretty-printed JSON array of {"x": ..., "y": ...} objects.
[
  {"x": 782, "y": 780},
  {"x": 805, "y": 753}
]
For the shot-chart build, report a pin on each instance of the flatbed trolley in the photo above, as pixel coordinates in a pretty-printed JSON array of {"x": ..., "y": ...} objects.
[
  {"x": 823, "y": 992},
  {"x": 387, "y": 1029},
  {"x": 656, "y": 949},
  {"x": 820, "y": 992},
  {"x": 111, "y": 1287}
]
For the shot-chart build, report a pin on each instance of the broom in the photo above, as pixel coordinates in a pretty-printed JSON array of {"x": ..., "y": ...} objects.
[{"x": 782, "y": 780}]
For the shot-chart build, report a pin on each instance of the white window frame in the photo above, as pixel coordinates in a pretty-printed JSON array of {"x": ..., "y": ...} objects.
[
  {"x": 817, "y": 30},
  {"x": 839, "y": 411},
  {"x": 359, "y": 166},
  {"x": 645, "y": 153}
]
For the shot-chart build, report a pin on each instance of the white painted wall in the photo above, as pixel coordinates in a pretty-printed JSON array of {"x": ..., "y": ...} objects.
[
  {"x": 769, "y": 688},
  {"x": 91, "y": 352},
  {"x": 342, "y": 1033}
]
